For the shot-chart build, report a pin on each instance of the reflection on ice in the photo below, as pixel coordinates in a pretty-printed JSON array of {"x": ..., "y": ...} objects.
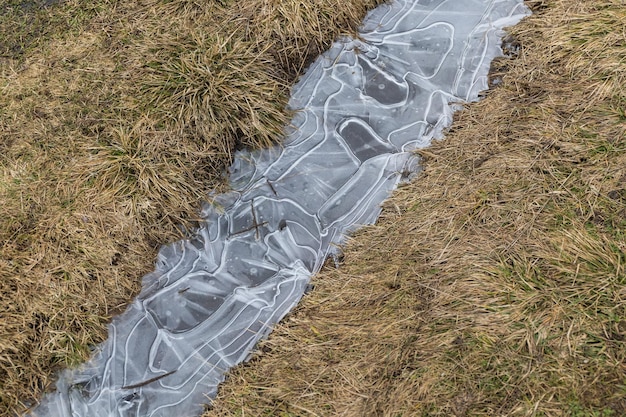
[{"x": 361, "y": 107}]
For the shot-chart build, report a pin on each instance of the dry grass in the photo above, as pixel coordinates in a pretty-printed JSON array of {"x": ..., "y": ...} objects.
[
  {"x": 302, "y": 29},
  {"x": 116, "y": 120},
  {"x": 494, "y": 284}
]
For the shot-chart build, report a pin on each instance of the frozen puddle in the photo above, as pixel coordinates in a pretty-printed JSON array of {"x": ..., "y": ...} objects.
[{"x": 365, "y": 104}]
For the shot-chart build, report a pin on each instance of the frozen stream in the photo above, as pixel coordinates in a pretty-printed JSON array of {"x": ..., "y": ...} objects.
[{"x": 364, "y": 105}]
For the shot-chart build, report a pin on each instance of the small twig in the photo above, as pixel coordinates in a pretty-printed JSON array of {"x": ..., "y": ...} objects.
[
  {"x": 149, "y": 381},
  {"x": 247, "y": 229},
  {"x": 254, "y": 222},
  {"x": 272, "y": 187}
]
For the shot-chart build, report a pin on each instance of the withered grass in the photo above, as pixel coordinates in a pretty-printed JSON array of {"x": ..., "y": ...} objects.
[
  {"x": 495, "y": 283},
  {"x": 116, "y": 121}
]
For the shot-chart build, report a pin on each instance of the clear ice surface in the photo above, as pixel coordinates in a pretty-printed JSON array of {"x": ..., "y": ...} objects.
[{"x": 362, "y": 107}]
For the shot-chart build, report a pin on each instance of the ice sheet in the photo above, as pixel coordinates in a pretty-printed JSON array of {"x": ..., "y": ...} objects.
[{"x": 362, "y": 107}]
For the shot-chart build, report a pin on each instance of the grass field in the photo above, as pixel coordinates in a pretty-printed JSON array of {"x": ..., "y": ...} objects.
[
  {"x": 116, "y": 120},
  {"x": 494, "y": 284}
]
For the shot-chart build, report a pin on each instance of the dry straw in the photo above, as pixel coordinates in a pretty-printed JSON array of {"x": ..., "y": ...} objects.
[
  {"x": 494, "y": 284},
  {"x": 116, "y": 120}
]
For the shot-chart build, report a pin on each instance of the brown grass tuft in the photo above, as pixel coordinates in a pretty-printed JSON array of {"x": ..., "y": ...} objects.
[
  {"x": 299, "y": 31},
  {"x": 222, "y": 87}
]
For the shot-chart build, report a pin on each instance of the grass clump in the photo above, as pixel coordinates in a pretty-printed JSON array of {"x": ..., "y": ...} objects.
[
  {"x": 116, "y": 120},
  {"x": 222, "y": 87},
  {"x": 300, "y": 30},
  {"x": 494, "y": 285}
]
